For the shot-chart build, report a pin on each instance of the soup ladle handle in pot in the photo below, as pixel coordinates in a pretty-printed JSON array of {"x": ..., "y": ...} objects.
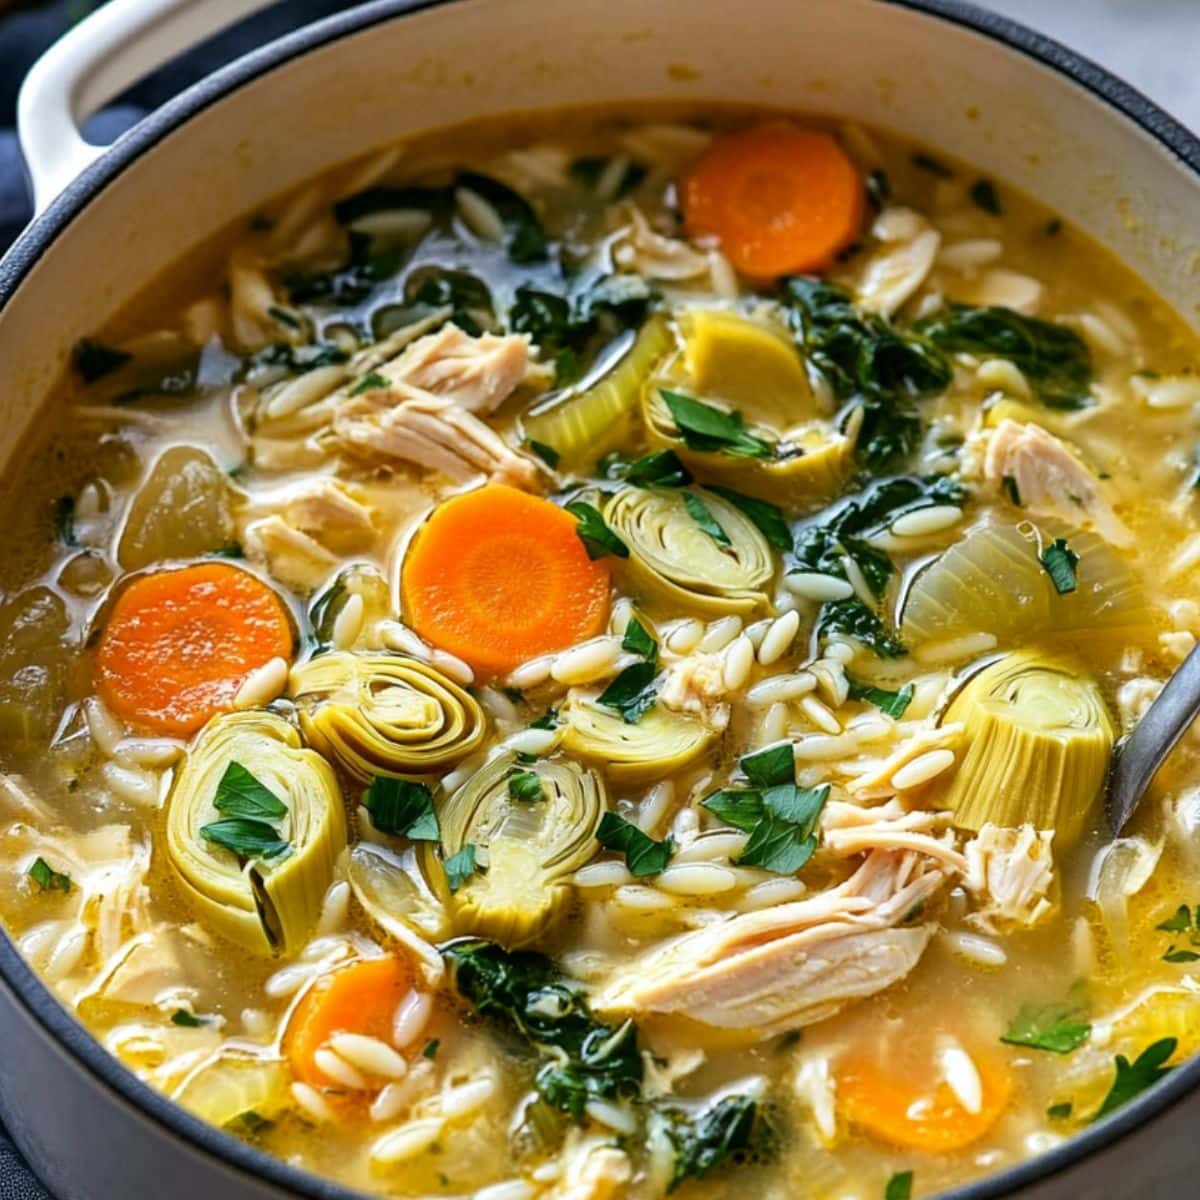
[
  {"x": 120, "y": 43},
  {"x": 1142, "y": 753}
]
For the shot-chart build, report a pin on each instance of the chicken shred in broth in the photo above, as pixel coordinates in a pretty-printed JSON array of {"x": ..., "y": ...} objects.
[{"x": 579, "y": 658}]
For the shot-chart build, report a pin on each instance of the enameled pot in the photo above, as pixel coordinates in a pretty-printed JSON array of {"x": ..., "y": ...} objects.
[{"x": 1018, "y": 106}]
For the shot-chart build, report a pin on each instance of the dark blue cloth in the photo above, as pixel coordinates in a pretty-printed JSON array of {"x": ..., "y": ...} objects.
[{"x": 23, "y": 36}]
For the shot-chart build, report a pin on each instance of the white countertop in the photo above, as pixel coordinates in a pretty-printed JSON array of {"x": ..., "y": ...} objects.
[{"x": 1152, "y": 44}]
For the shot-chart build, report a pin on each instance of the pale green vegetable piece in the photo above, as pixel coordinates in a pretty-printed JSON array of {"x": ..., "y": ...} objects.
[
  {"x": 675, "y": 564},
  {"x": 180, "y": 511},
  {"x": 527, "y": 849},
  {"x": 262, "y": 904},
  {"x": 659, "y": 742},
  {"x": 233, "y": 1084}
]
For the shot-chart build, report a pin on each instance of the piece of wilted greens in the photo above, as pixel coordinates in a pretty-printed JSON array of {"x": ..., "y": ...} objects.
[
  {"x": 854, "y": 619},
  {"x": 248, "y": 807},
  {"x": 702, "y": 515},
  {"x": 582, "y": 1057},
  {"x": 597, "y": 538},
  {"x": 632, "y": 692},
  {"x": 1054, "y": 358},
  {"x": 637, "y": 640},
  {"x": 716, "y": 1135},
  {"x": 402, "y": 806},
  {"x": 47, "y": 878},
  {"x": 703, "y": 427},
  {"x": 1059, "y": 561},
  {"x": 766, "y": 516},
  {"x": 1133, "y": 1078},
  {"x": 893, "y": 703},
  {"x": 867, "y": 360},
  {"x": 460, "y": 867}
]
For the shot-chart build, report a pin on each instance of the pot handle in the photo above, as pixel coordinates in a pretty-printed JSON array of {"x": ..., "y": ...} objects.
[{"x": 120, "y": 43}]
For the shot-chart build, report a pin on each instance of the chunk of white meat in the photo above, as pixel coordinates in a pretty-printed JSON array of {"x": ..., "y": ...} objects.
[
  {"x": 300, "y": 534},
  {"x": 638, "y": 247},
  {"x": 436, "y": 434},
  {"x": 696, "y": 685},
  {"x": 1051, "y": 479},
  {"x": 762, "y": 973},
  {"x": 849, "y": 829},
  {"x": 593, "y": 1169},
  {"x": 1010, "y": 875},
  {"x": 476, "y": 373},
  {"x": 894, "y": 272}
]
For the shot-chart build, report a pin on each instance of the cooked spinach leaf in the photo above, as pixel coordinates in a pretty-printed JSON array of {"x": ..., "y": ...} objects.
[
  {"x": 855, "y": 620},
  {"x": 723, "y": 1132},
  {"x": 766, "y": 516},
  {"x": 1054, "y": 358},
  {"x": 582, "y": 1057},
  {"x": 187, "y": 1020},
  {"x": 525, "y": 240},
  {"x": 547, "y": 454},
  {"x": 894, "y": 704},
  {"x": 469, "y": 299},
  {"x": 245, "y": 837},
  {"x": 660, "y": 469},
  {"x": 643, "y": 855},
  {"x": 637, "y": 640},
  {"x": 1053, "y": 1027},
  {"x": 403, "y": 807},
  {"x": 867, "y": 361}
]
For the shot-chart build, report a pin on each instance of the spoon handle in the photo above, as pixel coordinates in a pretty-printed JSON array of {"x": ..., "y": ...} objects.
[{"x": 1152, "y": 740}]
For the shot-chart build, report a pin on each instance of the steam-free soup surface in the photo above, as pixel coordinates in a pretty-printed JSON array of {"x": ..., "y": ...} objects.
[{"x": 579, "y": 658}]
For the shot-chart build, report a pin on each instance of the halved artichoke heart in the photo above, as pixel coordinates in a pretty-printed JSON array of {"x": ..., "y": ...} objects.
[
  {"x": 672, "y": 560},
  {"x": 383, "y": 714},
  {"x": 527, "y": 849},
  {"x": 660, "y": 742},
  {"x": 269, "y": 904},
  {"x": 751, "y": 367},
  {"x": 993, "y": 581},
  {"x": 1036, "y": 740}
]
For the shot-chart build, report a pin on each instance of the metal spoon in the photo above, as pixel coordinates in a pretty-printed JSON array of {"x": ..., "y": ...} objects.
[{"x": 1141, "y": 754}]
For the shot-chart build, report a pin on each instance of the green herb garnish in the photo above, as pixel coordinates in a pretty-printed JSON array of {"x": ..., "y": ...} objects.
[
  {"x": 899, "y": 1187},
  {"x": 547, "y": 454},
  {"x": 369, "y": 383},
  {"x": 893, "y": 703},
  {"x": 706, "y": 428},
  {"x": 702, "y": 515},
  {"x": 526, "y": 787},
  {"x": 1059, "y": 561},
  {"x": 47, "y": 878},
  {"x": 460, "y": 867},
  {"x": 637, "y": 640},
  {"x": 766, "y": 516},
  {"x": 1133, "y": 1078},
  {"x": 403, "y": 807},
  {"x": 643, "y": 855},
  {"x": 632, "y": 693},
  {"x": 597, "y": 538},
  {"x": 1051, "y": 1027}
]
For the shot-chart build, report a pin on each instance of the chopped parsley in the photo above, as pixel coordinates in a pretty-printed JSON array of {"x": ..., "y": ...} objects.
[
  {"x": 547, "y": 454},
  {"x": 187, "y": 1020},
  {"x": 1059, "y": 561},
  {"x": 983, "y": 195},
  {"x": 597, "y": 538},
  {"x": 369, "y": 383},
  {"x": 934, "y": 166},
  {"x": 248, "y": 808},
  {"x": 1053, "y": 1027},
  {"x": 706, "y": 428},
  {"x": 660, "y": 469},
  {"x": 47, "y": 878},
  {"x": 1061, "y": 1111},
  {"x": 526, "y": 787},
  {"x": 1133, "y": 1078},
  {"x": 895, "y": 704},
  {"x": 430, "y": 1049},
  {"x": 402, "y": 806},
  {"x": 632, "y": 693},
  {"x": 703, "y": 516},
  {"x": 643, "y": 855},
  {"x": 460, "y": 867},
  {"x": 638, "y": 640},
  {"x": 899, "y": 1187}
]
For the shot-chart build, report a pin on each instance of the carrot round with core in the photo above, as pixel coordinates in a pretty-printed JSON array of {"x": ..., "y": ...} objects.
[
  {"x": 894, "y": 1107},
  {"x": 497, "y": 577},
  {"x": 179, "y": 643},
  {"x": 779, "y": 199},
  {"x": 361, "y": 997}
]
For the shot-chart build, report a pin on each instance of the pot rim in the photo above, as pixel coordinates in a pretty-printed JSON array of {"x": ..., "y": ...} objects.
[{"x": 18, "y": 976}]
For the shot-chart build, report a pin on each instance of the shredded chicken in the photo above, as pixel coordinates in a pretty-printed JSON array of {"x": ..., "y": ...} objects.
[
  {"x": 849, "y": 829},
  {"x": 476, "y": 373},
  {"x": 290, "y": 554},
  {"x": 593, "y": 1169},
  {"x": 1051, "y": 479},
  {"x": 791, "y": 965},
  {"x": 1010, "y": 873},
  {"x": 653, "y": 255},
  {"x": 696, "y": 684},
  {"x": 896, "y": 270},
  {"x": 432, "y": 433},
  {"x": 813, "y": 1086},
  {"x": 876, "y": 782}
]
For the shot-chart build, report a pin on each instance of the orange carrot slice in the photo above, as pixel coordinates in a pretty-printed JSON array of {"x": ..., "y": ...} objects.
[
  {"x": 359, "y": 998},
  {"x": 779, "y": 199},
  {"x": 497, "y": 577},
  {"x": 895, "y": 1107},
  {"x": 178, "y": 644}
]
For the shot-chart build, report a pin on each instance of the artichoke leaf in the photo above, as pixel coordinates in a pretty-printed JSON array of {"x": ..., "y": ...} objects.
[
  {"x": 660, "y": 742},
  {"x": 393, "y": 890},
  {"x": 530, "y": 848},
  {"x": 582, "y": 424},
  {"x": 384, "y": 714},
  {"x": 993, "y": 580},
  {"x": 1037, "y": 739},
  {"x": 676, "y": 564},
  {"x": 262, "y": 904}
]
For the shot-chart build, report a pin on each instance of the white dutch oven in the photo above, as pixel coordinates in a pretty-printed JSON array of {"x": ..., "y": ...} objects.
[{"x": 976, "y": 85}]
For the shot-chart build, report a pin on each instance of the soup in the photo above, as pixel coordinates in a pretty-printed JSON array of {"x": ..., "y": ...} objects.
[{"x": 580, "y": 657}]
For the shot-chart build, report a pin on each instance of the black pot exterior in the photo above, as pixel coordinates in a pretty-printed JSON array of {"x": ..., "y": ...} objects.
[{"x": 93, "y": 1131}]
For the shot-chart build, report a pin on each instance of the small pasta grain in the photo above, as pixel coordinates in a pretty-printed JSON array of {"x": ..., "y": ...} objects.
[
  {"x": 934, "y": 519},
  {"x": 531, "y": 673},
  {"x": 104, "y": 728},
  {"x": 809, "y": 585},
  {"x": 962, "y": 1077},
  {"x": 407, "y": 1141},
  {"x": 774, "y": 725},
  {"x": 719, "y": 634},
  {"x": 532, "y": 741},
  {"x": 602, "y": 875},
  {"x": 467, "y": 1098},
  {"x": 262, "y": 685},
  {"x": 820, "y": 715},
  {"x": 453, "y": 667},
  {"x": 975, "y": 948},
  {"x": 696, "y": 879},
  {"x": 137, "y": 786},
  {"x": 480, "y": 215},
  {"x": 613, "y": 1115},
  {"x": 922, "y": 769},
  {"x": 638, "y": 898},
  {"x": 312, "y": 1103},
  {"x": 685, "y": 637},
  {"x": 338, "y": 1069},
  {"x": 412, "y": 1015},
  {"x": 587, "y": 662},
  {"x": 738, "y": 663},
  {"x": 369, "y": 1055},
  {"x": 780, "y": 689},
  {"x": 349, "y": 622},
  {"x": 778, "y": 638}
]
